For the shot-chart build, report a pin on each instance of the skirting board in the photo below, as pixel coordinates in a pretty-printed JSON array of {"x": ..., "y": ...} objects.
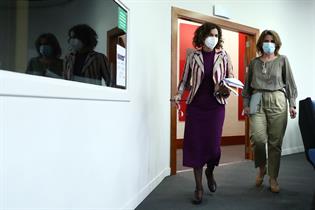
[
  {"x": 146, "y": 190},
  {"x": 292, "y": 150}
]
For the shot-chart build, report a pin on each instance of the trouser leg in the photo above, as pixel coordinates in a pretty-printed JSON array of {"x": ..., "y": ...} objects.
[
  {"x": 277, "y": 121},
  {"x": 258, "y": 137}
]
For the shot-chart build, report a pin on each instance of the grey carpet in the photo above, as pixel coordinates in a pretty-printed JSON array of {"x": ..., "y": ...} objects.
[{"x": 236, "y": 189}]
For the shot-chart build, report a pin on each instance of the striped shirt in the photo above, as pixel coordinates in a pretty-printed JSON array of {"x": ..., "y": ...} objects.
[{"x": 95, "y": 68}]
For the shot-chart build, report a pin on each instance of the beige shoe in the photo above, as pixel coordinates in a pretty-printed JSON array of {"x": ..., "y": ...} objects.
[
  {"x": 260, "y": 178},
  {"x": 274, "y": 186}
]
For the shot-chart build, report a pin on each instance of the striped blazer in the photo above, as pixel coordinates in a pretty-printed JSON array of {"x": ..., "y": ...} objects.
[
  {"x": 194, "y": 73},
  {"x": 95, "y": 68}
]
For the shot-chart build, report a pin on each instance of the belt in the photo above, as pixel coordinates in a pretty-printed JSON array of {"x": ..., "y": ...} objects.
[{"x": 262, "y": 90}]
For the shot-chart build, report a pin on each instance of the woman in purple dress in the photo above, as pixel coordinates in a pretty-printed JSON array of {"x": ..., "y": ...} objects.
[{"x": 204, "y": 69}]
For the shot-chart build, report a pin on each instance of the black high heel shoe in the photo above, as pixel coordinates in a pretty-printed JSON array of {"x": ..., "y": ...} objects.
[
  {"x": 212, "y": 185},
  {"x": 198, "y": 197}
]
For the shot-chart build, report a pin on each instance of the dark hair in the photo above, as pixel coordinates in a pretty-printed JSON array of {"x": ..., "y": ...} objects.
[
  {"x": 84, "y": 33},
  {"x": 261, "y": 38},
  {"x": 203, "y": 31},
  {"x": 52, "y": 41}
]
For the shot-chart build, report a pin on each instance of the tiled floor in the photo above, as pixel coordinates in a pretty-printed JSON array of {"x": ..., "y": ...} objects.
[{"x": 233, "y": 153}]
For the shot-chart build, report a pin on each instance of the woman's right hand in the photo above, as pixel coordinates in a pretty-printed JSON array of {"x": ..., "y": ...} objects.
[
  {"x": 246, "y": 111},
  {"x": 177, "y": 98}
]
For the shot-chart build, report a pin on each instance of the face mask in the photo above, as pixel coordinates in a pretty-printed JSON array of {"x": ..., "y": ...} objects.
[
  {"x": 269, "y": 47},
  {"x": 45, "y": 50},
  {"x": 75, "y": 44},
  {"x": 211, "y": 42}
]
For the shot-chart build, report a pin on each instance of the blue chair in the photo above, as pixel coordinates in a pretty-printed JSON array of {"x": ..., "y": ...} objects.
[
  {"x": 307, "y": 127},
  {"x": 311, "y": 155}
]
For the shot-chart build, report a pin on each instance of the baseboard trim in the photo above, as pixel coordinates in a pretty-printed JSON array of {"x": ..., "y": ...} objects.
[
  {"x": 225, "y": 141},
  {"x": 292, "y": 150},
  {"x": 232, "y": 140},
  {"x": 146, "y": 190}
]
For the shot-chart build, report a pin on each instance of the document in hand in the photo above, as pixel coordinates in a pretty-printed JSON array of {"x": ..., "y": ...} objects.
[
  {"x": 233, "y": 84},
  {"x": 254, "y": 102}
]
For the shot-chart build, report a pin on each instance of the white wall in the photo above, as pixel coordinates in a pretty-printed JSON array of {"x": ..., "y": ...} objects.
[
  {"x": 88, "y": 154},
  {"x": 61, "y": 153}
]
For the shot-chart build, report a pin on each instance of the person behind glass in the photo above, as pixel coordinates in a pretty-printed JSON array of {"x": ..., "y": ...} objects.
[
  {"x": 268, "y": 86},
  {"x": 83, "y": 64},
  {"x": 204, "y": 69},
  {"x": 48, "y": 62}
]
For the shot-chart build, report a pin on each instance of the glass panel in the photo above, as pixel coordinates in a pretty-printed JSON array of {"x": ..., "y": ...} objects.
[{"x": 78, "y": 40}]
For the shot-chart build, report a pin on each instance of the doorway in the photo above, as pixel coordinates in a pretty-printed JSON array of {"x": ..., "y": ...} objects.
[{"x": 188, "y": 21}]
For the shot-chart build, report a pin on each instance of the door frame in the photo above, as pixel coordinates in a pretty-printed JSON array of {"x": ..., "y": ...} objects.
[{"x": 252, "y": 36}]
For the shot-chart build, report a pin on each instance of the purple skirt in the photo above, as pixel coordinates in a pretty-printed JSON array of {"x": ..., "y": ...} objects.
[{"x": 203, "y": 131}]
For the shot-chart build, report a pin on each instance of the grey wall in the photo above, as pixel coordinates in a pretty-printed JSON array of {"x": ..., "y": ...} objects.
[
  {"x": 101, "y": 15},
  {"x": 7, "y": 35}
]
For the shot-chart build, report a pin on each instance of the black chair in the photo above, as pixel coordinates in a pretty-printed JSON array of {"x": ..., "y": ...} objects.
[{"x": 307, "y": 127}]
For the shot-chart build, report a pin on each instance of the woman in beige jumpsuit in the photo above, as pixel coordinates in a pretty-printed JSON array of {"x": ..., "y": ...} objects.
[{"x": 268, "y": 87}]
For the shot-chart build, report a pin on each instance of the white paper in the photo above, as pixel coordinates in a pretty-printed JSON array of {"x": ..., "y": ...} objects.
[
  {"x": 121, "y": 66},
  {"x": 234, "y": 82}
]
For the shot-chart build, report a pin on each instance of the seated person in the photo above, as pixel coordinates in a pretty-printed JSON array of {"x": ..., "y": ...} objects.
[
  {"x": 48, "y": 62},
  {"x": 83, "y": 64}
]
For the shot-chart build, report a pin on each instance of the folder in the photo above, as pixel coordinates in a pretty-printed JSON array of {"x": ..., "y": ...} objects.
[
  {"x": 232, "y": 84},
  {"x": 254, "y": 102}
]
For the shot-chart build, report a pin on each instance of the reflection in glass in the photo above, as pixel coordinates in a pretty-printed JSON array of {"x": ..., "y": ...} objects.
[
  {"x": 83, "y": 64},
  {"x": 48, "y": 62},
  {"x": 48, "y": 22}
]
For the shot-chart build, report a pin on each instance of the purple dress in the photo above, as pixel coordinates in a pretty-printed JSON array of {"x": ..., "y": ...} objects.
[{"x": 204, "y": 122}]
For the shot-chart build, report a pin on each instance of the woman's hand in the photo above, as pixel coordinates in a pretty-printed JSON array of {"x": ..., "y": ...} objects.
[
  {"x": 224, "y": 91},
  {"x": 292, "y": 111},
  {"x": 246, "y": 111},
  {"x": 177, "y": 99}
]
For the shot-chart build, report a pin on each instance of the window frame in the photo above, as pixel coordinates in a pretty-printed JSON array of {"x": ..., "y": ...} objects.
[{"x": 25, "y": 85}]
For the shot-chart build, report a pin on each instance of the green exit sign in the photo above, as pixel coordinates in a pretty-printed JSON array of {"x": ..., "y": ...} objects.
[{"x": 122, "y": 19}]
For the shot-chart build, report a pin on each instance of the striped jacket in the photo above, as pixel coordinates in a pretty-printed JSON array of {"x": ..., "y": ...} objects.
[
  {"x": 194, "y": 73},
  {"x": 95, "y": 68}
]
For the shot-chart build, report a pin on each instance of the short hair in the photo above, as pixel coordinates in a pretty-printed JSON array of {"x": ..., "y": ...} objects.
[
  {"x": 261, "y": 38},
  {"x": 52, "y": 41},
  {"x": 84, "y": 33},
  {"x": 203, "y": 31}
]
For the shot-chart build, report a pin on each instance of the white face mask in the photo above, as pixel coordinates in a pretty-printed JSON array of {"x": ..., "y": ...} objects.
[
  {"x": 269, "y": 47},
  {"x": 211, "y": 42},
  {"x": 75, "y": 44}
]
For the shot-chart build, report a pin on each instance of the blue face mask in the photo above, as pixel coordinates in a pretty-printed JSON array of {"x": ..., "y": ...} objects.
[
  {"x": 269, "y": 47},
  {"x": 46, "y": 50}
]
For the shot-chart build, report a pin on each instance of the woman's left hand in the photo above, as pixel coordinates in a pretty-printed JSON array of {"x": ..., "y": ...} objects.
[
  {"x": 224, "y": 91},
  {"x": 292, "y": 112}
]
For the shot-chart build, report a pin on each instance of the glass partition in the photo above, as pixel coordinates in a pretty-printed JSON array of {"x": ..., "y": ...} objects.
[{"x": 77, "y": 40}]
